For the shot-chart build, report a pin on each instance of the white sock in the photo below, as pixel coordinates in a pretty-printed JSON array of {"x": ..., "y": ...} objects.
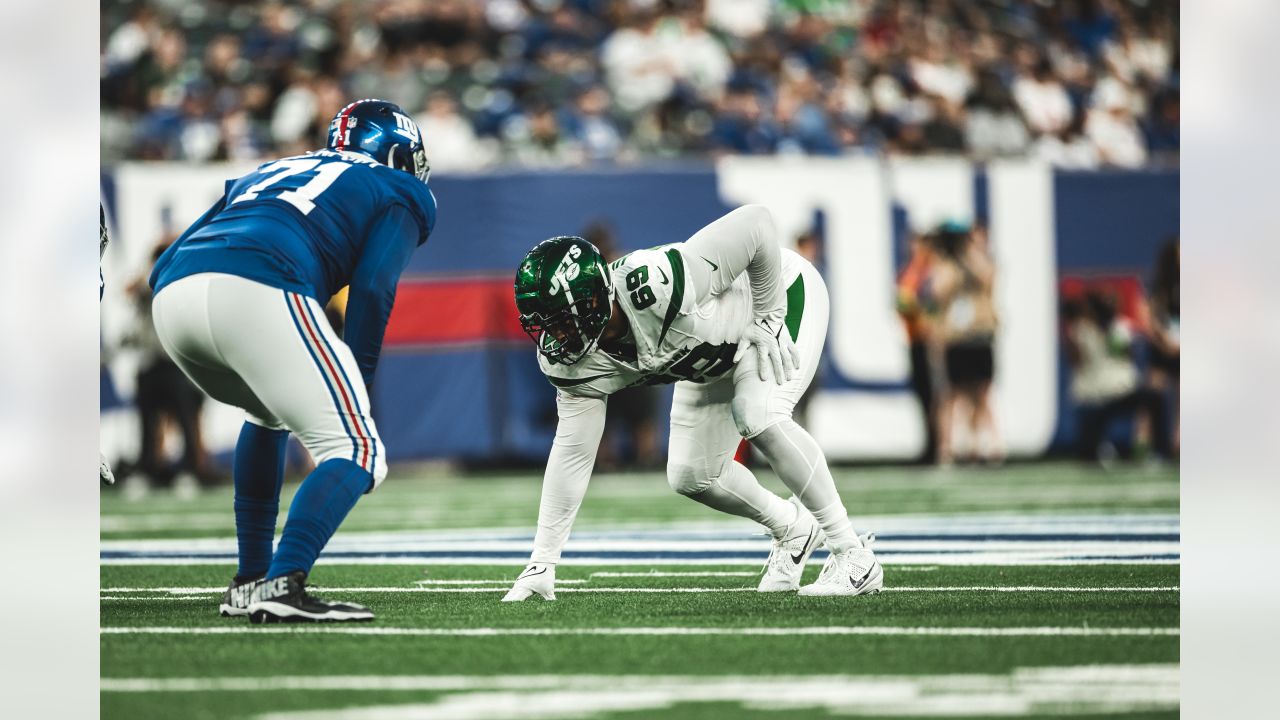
[
  {"x": 737, "y": 492},
  {"x": 799, "y": 462}
]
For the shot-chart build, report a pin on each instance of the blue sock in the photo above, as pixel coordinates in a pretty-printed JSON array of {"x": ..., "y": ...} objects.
[
  {"x": 318, "y": 508},
  {"x": 258, "y": 474}
]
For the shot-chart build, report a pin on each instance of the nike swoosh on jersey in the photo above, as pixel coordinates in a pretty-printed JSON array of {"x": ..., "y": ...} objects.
[
  {"x": 714, "y": 266},
  {"x": 665, "y": 279},
  {"x": 571, "y": 382}
]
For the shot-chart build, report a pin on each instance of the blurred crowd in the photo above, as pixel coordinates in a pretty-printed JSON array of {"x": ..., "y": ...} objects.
[
  {"x": 1120, "y": 338},
  {"x": 1079, "y": 83},
  {"x": 1125, "y": 353}
]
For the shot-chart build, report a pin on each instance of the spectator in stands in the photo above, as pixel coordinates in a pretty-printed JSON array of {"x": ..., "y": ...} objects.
[
  {"x": 741, "y": 126},
  {"x": 535, "y": 140},
  {"x": 1104, "y": 378},
  {"x": 963, "y": 279},
  {"x": 993, "y": 127},
  {"x": 593, "y": 127},
  {"x": 1069, "y": 148},
  {"x": 914, "y": 301},
  {"x": 701, "y": 60},
  {"x": 1043, "y": 100},
  {"x": 1163, "y": 127},
  {"x": 739, "y": 18},
  {"x": 1112, "y": 128},
  {"x": 942, "y": 132},
  {"x": 638, "y": 63},
  {"x": 1164, "y": 359},
  {"x": 450, "y": 141}
]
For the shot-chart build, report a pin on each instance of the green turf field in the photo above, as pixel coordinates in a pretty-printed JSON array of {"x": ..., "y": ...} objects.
[{"x": 970, "y": 624}]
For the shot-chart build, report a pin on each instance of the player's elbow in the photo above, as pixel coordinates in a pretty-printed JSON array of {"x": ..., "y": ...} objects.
[{"x": 760, "y": 219}]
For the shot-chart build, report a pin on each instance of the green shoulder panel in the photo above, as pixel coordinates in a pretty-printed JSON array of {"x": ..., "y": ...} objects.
[{"x": 677, "y": 292}]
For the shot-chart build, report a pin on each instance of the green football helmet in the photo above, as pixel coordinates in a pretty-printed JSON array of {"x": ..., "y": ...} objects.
[{"x": 565, "y": 297}]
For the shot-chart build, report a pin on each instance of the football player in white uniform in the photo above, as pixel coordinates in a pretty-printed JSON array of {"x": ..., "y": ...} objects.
[{"x": 738, "y": 324}]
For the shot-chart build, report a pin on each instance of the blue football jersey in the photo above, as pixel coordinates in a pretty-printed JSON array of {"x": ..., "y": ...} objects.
[
  {"x": 300, "y": 224},
  {"x": 313, "y": 224}
]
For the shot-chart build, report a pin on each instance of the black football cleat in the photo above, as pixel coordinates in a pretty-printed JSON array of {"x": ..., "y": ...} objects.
[
  {"x": 284, "y": 599},
  {"x": 235, "y": 601}
]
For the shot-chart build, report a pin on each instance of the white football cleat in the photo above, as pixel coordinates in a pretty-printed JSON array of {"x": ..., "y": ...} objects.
[
  {"x": 539, "y": 578},
  {"x": 855, "y": 571},
  {"x": 790, "y": 552}
]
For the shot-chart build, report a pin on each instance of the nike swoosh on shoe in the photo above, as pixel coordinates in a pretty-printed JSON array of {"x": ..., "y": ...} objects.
[
  {"x": 857, "y": 584},
  {"x": 531, "y": 574},
  {"x": 800, "y": 556}
]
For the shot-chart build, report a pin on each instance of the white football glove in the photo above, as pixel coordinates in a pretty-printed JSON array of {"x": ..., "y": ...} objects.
[
  {"x": 774, "y": 348},
  {"x": 104, "y": 471},
  {"x": 537, "y": 578}
]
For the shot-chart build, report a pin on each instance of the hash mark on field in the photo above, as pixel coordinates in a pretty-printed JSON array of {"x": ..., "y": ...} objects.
[{"x": 658, "y": 631}]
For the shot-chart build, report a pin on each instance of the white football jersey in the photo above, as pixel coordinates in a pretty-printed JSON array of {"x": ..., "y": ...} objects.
[{"x": 676, "y": 338}]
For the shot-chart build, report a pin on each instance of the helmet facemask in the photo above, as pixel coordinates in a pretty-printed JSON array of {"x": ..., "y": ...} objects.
[{"x": 567, "y": 336}]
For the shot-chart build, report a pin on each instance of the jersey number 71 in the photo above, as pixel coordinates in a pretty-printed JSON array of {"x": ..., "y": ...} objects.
[{"x": 303, "y": 198}]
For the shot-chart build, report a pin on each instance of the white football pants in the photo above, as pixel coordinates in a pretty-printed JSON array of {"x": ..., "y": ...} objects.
[
  {"x": 272, "y": 353},
  {"x": 708, "y": 419}
]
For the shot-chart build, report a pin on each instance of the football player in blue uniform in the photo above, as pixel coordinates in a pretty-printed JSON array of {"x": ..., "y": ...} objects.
[{"x": 238, "y": 305}]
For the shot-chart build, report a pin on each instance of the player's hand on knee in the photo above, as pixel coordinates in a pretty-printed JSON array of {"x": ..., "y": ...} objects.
[
  {"x": 790, "y": 354},
  {"x": 537, "y": 578},
  {"x": 773, "y": 347}
]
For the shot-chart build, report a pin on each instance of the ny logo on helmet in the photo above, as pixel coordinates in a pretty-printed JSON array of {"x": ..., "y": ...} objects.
[{"x": 406, "y": 127}]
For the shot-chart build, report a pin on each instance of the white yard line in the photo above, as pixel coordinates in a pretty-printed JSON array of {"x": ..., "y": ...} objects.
[
  {"x": 1111, "y": 674},
  {"x": 487, "y": 582},
  {"x": 656, "y": 574},
  {"x": 653, "y": 631},
  {"x": 1033, "y": 693},
  {"x": 748, "y": 560},
  {"x": 503, "y": 586}
]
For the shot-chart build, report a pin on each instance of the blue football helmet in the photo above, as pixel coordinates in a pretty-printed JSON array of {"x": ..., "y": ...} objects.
[{"x": 382, "y": 131}]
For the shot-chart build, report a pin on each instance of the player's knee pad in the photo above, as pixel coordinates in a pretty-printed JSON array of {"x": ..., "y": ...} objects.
[
  {"x": 753, "y": 415},
  {"x": 687, "y": 478}
]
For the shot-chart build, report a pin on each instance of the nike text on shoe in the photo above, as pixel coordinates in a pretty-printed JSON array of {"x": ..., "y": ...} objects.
[
  {"x": 284, "y": 599},
  {"x": 235, "y": 601},
  {"x": 855, "y": 571},
  {"x": 790, "y": 552}
]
